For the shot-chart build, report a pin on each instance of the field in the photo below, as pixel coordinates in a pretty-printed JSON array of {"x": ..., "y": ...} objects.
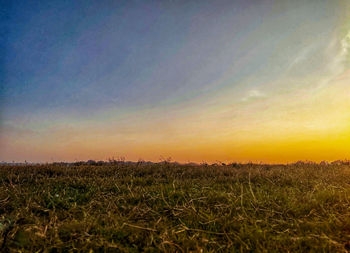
[{"x": 175, "y": 208}]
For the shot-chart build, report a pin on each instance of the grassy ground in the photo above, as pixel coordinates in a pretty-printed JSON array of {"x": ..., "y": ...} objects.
[{"x": 168, "y": 207}]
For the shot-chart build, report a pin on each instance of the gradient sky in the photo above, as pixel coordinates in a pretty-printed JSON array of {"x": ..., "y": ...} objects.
[{"x": 193, "y": 80}]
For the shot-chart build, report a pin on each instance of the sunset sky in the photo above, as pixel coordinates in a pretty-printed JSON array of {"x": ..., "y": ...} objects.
[{"x": 195, "y": 80}]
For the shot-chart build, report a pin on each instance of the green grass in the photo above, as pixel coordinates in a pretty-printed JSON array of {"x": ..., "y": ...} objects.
[{"x": 169, "y": 207}]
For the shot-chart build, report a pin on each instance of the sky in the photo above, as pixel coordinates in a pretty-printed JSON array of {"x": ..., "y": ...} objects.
[{"x": 196, "y": 80}]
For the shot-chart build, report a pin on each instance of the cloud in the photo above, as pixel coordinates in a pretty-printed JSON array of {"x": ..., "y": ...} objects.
[
  {"x": 302, "y": 56},
  {"x": 340, "y": 62},
  {"x": 253, "y": 94},
  {"x": 345, "y": 44}
]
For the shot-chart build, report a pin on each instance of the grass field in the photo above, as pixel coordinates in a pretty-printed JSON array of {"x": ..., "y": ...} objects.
[{"x": 170, "y": 207}]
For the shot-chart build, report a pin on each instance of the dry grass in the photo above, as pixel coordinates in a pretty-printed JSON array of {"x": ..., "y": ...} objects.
[{"x": 169, "y": 207}]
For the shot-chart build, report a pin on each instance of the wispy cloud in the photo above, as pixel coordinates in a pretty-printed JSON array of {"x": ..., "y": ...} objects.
[
  {"x": 339, "y": 62},
  {"x": 253, "y": 94},
  {"x": 302, "y": 56}
]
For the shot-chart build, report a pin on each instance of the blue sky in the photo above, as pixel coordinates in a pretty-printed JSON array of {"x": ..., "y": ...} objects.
[{"x": 92, "y": 64}]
